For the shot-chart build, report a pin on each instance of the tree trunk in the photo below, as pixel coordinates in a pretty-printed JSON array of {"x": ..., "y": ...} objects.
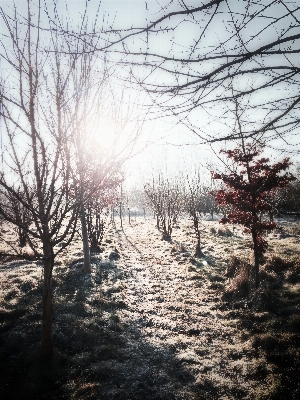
[
  {"x": 256, "y": 258},
  {"x": 169, "y": 228},
  {"x": 198, "y": 252},
  {"x": 94, "y": 248},
  {"x": 113, "y": 216},
  {"x": 121, "y": 221},
  {"x": 166, "y": 231},
  {"x": 22, "y": 238},
  {"x": 85, "y": 242},
  {"x": 47, "y": 340}
]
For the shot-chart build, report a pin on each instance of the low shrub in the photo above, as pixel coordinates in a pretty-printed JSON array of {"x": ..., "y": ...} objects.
[
  {"x": 293, "y": 323},
  {"x": 216, "y": 278},
  {"x": 179, "y": 248}
]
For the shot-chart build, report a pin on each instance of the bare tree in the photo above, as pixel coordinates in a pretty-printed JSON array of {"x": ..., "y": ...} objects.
[
  {"x": 137, "y": 202},
  {"x": 97, "y": 198},
  {"x": 233, "y": 50},
  {"x": 166, "y": 200},
  {"x": 50, "y": 94},
  {"x": 101, "y": 136},
  {"x": 98, "y": 165},
  {"x": 208, "y": 205},
  {"x": 21, "y": 215},
  {"x": 88, "y": 83},
  {"x": 37, "y": 165},
  {"x": 194, "y": 206}
]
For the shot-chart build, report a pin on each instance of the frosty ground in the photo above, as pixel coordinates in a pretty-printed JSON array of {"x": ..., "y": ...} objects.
[{"x": 156, "y": 322}]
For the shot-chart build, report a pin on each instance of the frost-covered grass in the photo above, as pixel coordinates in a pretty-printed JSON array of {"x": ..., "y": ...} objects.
[{"x": 159, "y": 323}]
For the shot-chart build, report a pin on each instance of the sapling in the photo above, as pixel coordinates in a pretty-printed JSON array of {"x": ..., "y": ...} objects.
[{"x": 250, "y": 187}]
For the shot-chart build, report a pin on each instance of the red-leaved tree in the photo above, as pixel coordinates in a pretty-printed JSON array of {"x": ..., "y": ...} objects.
[{"x": 250, "y": 186}]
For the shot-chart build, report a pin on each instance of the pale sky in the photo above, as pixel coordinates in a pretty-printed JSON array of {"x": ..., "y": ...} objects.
[{"x": 167, "y": 141}]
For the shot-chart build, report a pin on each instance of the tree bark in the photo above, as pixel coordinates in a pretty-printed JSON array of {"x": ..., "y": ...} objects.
[
  {"x": 198, "y": 252},
  {"x": 47, "y": 320},
  {"x": 85, "y": 242},
  {"x": 121, "y": 220},
  {"x": 22, "y": 238},
  {"x": 256, "y": 258}
]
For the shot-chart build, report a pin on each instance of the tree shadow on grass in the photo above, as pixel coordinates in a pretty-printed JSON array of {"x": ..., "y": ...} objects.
[
  {"x": 272, "y": 319},
  {"x": 96, "y": 354},
  {"x": 129, "y": 241}
]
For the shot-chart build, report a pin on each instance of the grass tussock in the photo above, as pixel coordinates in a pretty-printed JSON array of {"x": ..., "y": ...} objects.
[
  {"x": 233, "y": 265},
  {"x": 272, "y": 319},
  {"x": 286, "y": 268},
  {"x": 179, "y": 247},
  {"x": 221, "y": 230},
  {"x": 278, "y": 264},
  {"x": 240, "y": 280},
  {"x": 224, "y": 231}
]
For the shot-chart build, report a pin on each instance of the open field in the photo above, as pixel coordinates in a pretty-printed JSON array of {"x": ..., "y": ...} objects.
[{"x": 156, "y": 322}]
